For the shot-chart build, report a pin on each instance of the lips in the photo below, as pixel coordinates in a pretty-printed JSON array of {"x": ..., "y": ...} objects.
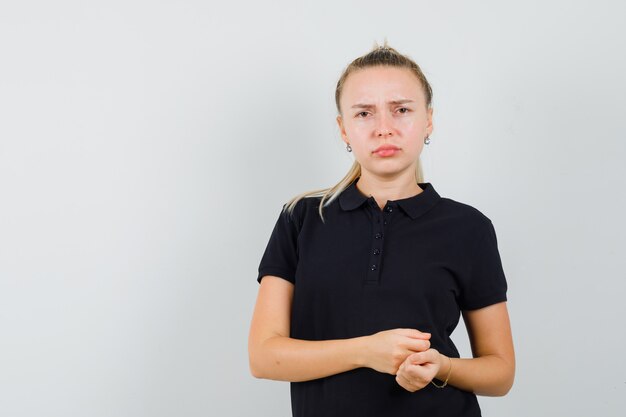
[{"x": 386, "y": 150}]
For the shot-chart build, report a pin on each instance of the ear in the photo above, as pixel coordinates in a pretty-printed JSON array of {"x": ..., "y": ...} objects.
[
  {"x": 429, "y": 125},
  {"x": 342, "y": 130}
]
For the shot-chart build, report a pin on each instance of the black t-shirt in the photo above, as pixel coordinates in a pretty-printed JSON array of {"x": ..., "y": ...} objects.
[{"x": 415, "y": 264}]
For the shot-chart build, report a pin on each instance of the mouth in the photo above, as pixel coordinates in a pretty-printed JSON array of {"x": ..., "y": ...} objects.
[{"x": 386, "y": 150}]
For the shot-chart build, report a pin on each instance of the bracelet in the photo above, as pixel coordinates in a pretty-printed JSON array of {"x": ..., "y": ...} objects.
[{"x": 447, "y": 378}]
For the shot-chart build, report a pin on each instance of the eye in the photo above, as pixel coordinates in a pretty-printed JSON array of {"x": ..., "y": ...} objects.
[
  {"x": 404, "y": 108},
  {"x": 360, "y": 113}
]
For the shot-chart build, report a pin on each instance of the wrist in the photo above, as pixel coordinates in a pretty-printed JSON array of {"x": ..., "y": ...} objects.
[
  {"x": 444, "y": 367},
  {"x": 360, "y": 351}
]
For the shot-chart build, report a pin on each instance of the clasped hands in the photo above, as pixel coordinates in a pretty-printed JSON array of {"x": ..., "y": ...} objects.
[{"x": 405, "y": 353}]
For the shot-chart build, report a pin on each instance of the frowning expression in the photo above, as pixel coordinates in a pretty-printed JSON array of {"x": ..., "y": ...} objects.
[{"x": 384, "y": 118}]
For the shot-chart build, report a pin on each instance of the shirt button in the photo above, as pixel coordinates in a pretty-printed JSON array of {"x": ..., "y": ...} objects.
[
  {"x": 385, "y": 222},
  {"x": 373, "y": 267},
  {"x": 389, "y": 209},
  {"x": 376, "y": 251},
  {"x": 377, "y": 235}
]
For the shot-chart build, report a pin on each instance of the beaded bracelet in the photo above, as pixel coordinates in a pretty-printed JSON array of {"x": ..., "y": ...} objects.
[{"x": 447, "y": 378}]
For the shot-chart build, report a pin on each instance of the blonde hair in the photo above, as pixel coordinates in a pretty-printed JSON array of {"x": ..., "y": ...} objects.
[{"x": 378, "y": 56}]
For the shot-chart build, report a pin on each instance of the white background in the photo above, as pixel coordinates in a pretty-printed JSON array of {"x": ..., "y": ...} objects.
[{"x": 146, "y": 148}]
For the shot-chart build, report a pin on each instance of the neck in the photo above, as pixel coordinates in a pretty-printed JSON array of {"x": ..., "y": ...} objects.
[{"x": 388, "y": 189}]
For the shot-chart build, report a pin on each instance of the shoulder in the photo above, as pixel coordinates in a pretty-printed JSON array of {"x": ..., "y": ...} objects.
[
  {"x": 462, "y": 210},
  {"x": 299, "y": 211},
  {"x": 469, "y": 220}
]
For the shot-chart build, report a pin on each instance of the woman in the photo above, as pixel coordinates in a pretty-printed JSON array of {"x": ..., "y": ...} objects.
[{"x": 362, "y": 284}]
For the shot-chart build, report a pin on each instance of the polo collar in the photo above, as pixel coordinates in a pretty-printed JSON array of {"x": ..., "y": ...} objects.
[{"x": 351, "y": 198}]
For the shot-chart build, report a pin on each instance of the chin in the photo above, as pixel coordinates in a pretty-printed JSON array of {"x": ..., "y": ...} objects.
[{"x": 380, "y": 171}]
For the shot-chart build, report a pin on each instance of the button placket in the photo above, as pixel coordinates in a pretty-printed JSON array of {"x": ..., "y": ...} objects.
[
  {"x": 383, "y": 217},
  {"x": 372, "y": 267},
  {"x": 373, "y": 270},
  {"x": 379, "y": 221}
]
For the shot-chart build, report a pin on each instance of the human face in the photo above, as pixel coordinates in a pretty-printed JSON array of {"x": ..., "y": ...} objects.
[{"x": 384, "y": 106}]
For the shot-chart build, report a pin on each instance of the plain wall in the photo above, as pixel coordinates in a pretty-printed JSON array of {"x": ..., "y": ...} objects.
[{"x": 146, "y": 149}]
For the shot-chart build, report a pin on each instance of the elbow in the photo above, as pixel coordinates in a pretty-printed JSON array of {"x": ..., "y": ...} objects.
[
  {"x": 256, "y": 370},
  {"x": 510, "y": 377},
  {"x": 502, "y": 390},
  {"x": 504, "y": 387},
  {"x": 503, "y": 383},
  {"x": 262, "y": 361},
  {"x": 259, "y": 360}
]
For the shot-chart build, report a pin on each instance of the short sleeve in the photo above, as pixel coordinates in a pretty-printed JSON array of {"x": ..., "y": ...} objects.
[
  {"x": 281, "y": 254},
  {"x": 485, "y": 282}
]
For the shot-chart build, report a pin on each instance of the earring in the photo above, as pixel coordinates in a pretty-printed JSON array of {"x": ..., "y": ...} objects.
[
  {"x": 426, "y": 140},
  {"x": 348, "y": 148}
]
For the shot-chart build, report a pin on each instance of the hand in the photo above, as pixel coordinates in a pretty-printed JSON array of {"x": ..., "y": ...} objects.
[
  {"x": 419, "y": 369},
  {"x": 387, "y": 349}
]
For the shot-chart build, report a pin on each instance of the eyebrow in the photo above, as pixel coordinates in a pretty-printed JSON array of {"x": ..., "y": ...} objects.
[{"x": 368, "y": 106}]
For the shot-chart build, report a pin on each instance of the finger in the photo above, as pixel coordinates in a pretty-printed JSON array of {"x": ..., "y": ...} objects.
[
  {"x": 405, "y": 382},
  {"x": 415, "y": 333},
  {"x": 424, "y": 372},
  {"x": 401, "y": 382},
  {"x": 418, "y": 345},
  {"x": 431, "y": 355},
  {"x": 404, "y": 364},
  {"x": 421, "y": 376},
  {"x": 400, "y": 369},
  {"x": 421, "y": 358},
  {"x": 414, "y": 369},
  {"x": 415, "y": 358}
]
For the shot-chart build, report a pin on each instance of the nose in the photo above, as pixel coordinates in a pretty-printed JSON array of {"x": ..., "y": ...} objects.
[{"x": 382, "y": 127}]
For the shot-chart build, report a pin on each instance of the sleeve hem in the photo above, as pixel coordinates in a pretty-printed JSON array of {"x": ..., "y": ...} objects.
[
  {"x": 281, "y": 273},
  {"x": 485, "y": 301}
]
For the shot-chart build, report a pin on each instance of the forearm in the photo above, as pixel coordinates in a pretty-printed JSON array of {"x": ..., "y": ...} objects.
[
  {"x": 485, "y": 375},
  {"x": 285, "y": 359}
]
